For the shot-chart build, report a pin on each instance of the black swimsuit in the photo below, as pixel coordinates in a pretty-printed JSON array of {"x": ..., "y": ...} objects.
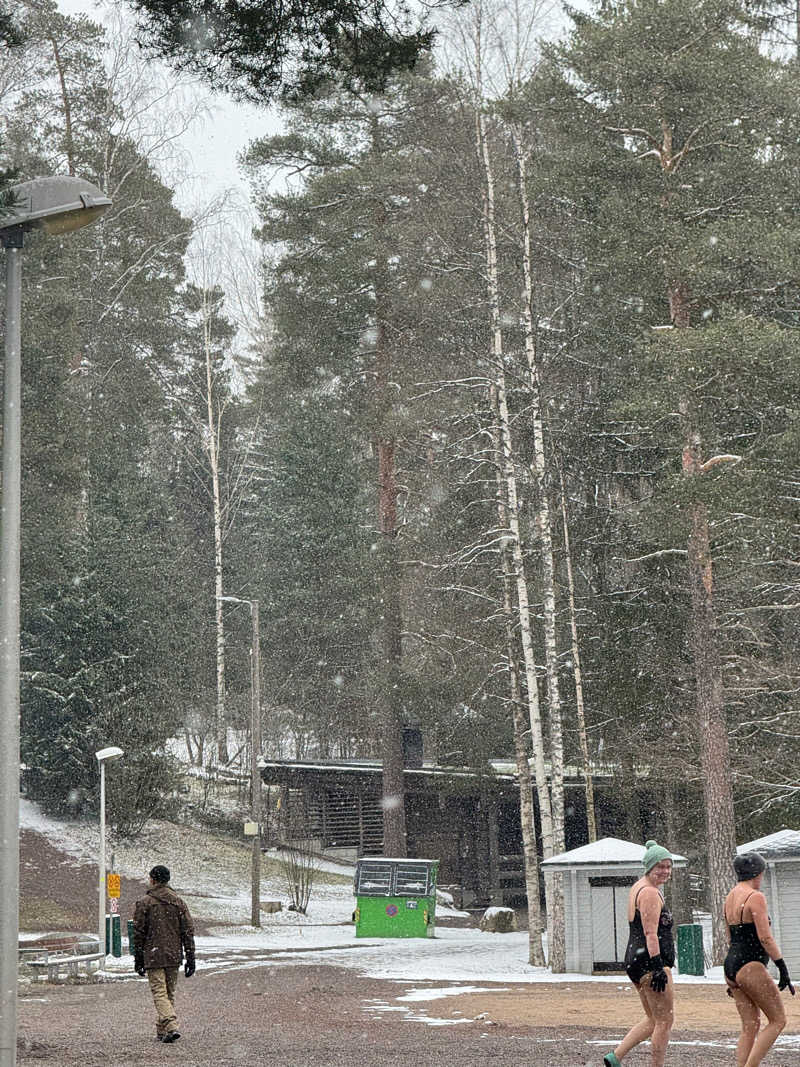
[
  {"x": 745, "y": 947},
  {"x": 637, "y": 958}
]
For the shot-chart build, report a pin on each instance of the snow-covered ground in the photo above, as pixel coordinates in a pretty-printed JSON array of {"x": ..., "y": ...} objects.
[{"x": 214, "y": 877}]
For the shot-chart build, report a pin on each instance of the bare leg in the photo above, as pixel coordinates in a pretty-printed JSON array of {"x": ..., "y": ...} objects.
[
  {"x": 638, "y": 1033},
  {"x": 659, "y": 1013},
  {"x": 751, "y": 1022},
  {"x": 662, "y": 1011},
  {"x": 755, "y": 981}
]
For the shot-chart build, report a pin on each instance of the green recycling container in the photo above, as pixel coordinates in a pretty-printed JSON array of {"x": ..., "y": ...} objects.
[
  {"x": 395, "y": 897},
  {"x": 690, "y": 949}
]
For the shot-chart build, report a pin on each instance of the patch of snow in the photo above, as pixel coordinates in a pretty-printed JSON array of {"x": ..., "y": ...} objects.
[{"x": 214, "y": 876}]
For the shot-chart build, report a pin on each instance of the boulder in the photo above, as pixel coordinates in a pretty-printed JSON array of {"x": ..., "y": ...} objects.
[{"x": 498, "y": 921}]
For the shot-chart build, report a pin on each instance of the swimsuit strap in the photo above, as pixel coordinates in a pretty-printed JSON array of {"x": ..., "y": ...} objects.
[
  {"x": 744, "y": 904},
  {"x": 636, "y": 900}
]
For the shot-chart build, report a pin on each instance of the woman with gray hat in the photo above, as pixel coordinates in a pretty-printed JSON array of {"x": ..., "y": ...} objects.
[
  {"x": 648, "y": 958},
  {"x": 752, "y": 946}
]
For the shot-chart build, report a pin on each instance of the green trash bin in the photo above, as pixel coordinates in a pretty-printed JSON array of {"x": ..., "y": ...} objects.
[
  {"x": 690, "y": 949},
  {"x": 395, "y": 897}
]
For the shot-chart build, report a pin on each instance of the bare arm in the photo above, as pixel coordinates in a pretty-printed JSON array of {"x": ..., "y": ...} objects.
[
  {"x": 757, "y": 905},
  {"x": 650, "y": 903}
]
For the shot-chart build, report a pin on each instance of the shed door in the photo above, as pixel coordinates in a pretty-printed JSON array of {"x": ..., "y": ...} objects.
[{"x": 609, "y": 900}]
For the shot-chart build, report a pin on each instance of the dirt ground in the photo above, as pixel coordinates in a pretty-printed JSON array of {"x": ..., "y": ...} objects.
[
  {"x": 297, "y": 1016},
  {"x": 57, "y": 893},
  {"x": 294, "y": 1015}
]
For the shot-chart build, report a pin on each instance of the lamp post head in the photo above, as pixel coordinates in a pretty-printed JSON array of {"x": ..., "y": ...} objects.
[
  {"x": 55, "y": 204},
  {"x": 112, "y": 752}
]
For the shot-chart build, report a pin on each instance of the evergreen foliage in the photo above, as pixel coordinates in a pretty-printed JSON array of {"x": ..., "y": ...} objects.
[{"x": 267, "y": 50}]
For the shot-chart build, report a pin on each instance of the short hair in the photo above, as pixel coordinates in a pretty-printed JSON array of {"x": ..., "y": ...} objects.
[{"x": 160, "y": 874}]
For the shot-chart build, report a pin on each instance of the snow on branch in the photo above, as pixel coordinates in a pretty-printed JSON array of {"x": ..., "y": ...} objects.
[
  {"x": 654, "y": 555},
  {"x": 716, "y": 460}
]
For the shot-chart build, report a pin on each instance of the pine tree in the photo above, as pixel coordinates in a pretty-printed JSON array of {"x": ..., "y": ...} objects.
[{"x": 695, "y": 128}]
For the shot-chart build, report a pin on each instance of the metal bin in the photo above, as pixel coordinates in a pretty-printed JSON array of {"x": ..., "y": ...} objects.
[
  {"x": 395, "y": 897},
  {"x": 690, "y": 949}
]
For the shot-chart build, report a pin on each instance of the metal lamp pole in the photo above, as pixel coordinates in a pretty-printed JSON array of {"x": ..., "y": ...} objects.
[
  {"x": 103, "y": 756},
  {"x": 56, "y": 205},
  {"x": 255, "y": 752},
  {"x": 255, "y": 782},
  {"x": 9, "y": 654}
]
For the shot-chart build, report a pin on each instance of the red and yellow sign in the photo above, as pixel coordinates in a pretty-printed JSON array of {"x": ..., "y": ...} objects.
[{"x": 114, "y": 885}]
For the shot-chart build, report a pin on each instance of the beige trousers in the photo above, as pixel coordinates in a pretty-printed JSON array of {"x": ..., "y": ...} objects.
[{"x": 163, "y": 981}]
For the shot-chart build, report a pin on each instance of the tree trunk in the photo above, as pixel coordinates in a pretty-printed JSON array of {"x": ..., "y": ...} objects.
[
  {"x": 505, "y": 459},
  {"x": 393, "y": 799},
  {"x": 527, "y": 821},
  {"x": 69, "y": 142},
  {"x": 557, "y": 949},
  {"x": 714, "y": 751},
  {"x": 392, "y": 720},
  {"x": 715, "y": 761},
  {"x": 678, "y": 886},
  {"x": 583, "y": 737},
  {"x": 213, "y": 446}
]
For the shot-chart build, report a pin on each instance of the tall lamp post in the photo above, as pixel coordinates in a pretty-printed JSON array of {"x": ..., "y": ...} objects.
[
  {"x": 104, "y": 756},
  {"x": 55, "y": 205},
  {"x": 255, "y": 752}
]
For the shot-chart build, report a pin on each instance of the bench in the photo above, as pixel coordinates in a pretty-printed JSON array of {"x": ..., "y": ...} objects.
[{"x": 68, "y": 962}]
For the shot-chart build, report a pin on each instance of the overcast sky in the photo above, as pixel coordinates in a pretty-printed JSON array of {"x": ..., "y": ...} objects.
[{"x": 211, "y": 144}]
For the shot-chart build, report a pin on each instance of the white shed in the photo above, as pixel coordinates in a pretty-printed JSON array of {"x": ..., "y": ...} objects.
[
  {"x": 781, "y": 887},
  {"x": 597, "y": 878}
]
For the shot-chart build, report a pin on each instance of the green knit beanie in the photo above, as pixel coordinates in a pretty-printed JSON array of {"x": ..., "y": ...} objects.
[{"x": 653, "y": 854}]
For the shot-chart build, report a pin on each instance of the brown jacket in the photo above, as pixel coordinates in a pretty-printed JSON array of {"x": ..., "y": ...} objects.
[{"x": 162, "y": 929}]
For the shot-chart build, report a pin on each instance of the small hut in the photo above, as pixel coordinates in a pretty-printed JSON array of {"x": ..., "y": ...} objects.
[
  {"x": 597, "y": 878},
  {"x": 781, "y": 887}
]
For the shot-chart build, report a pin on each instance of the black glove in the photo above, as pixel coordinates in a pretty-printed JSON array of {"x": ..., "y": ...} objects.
[
  {"x": 188, "y": 970},
  {"x": 658, "y": 979},
  {"x": 138, "y": 965},
  {"x": 785, "y": 981}
]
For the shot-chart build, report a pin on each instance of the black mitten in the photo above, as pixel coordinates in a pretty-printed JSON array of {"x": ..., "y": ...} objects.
[
  {"x": 658, "y": 976},
  {"x": 188, "y": 970},
  {"x": 784, "y": 981}
]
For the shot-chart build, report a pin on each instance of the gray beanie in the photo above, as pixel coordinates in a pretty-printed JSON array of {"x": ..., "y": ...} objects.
[{"x": 748, "y": 865}]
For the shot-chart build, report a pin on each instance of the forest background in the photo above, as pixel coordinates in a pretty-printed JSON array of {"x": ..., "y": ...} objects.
[{"x": 499, "y": 426}]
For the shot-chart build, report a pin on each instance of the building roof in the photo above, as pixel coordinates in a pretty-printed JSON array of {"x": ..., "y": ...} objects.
[
  {"x": 608, "y": 852},
  {"x": 783, "y": 844},
  {"x": 366, "y": 775}
]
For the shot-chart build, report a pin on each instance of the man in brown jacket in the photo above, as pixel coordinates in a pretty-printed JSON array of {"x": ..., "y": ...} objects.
[{"x": 163, "y": 932}]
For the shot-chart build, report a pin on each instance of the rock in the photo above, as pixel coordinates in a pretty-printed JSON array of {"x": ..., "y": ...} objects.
[
  {"x": 498, "y": 921},
  {"x": 270, "y": 906}
]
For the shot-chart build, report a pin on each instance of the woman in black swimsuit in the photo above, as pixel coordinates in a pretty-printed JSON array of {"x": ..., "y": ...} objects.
[
  {"x": 648, "y": 958},
  {"x": 752, "y": 945}
]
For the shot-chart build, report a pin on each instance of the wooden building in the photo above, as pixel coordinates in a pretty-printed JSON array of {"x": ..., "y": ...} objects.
[{"x": 468, "y": 821}]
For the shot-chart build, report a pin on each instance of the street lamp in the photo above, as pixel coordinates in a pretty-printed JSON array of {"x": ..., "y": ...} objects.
[
  {"x": 55, "y": 205},
  {"x": 255, "y": 751},
  {"x": 104, "y": 756}
]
